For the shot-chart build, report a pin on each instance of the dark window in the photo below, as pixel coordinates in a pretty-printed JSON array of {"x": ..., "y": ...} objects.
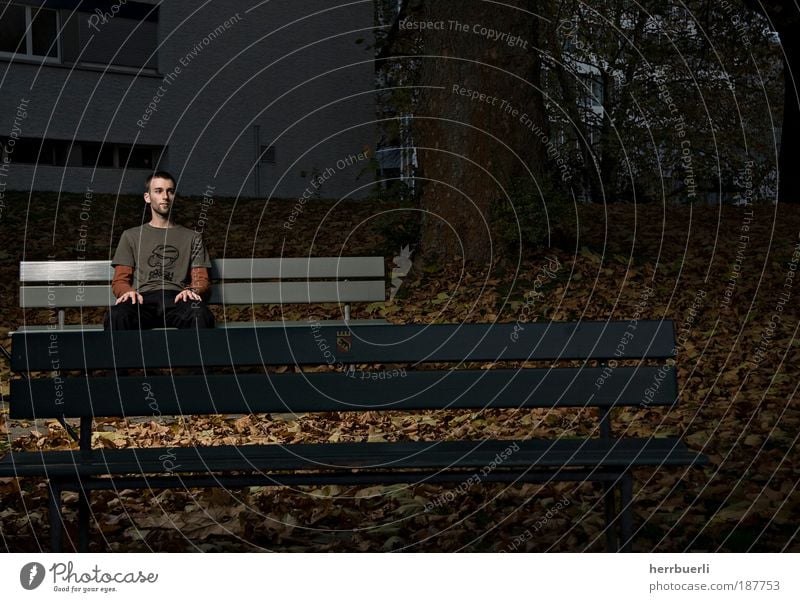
[
  {"x": 267, "y": 154},
  {"x": 136, "y": 157},
  {"x": 54, "y": 152},
  {"x": 45, "y": 149},
  {"x": 12, "y": 29},
  {"x": 44, "y": 33},
  {"x": 28, "y": 31},
  {"x": 25, "y": 150},
  {"x": 96, "y": 154},
  {"x": 129, "y": 40},
  {"x": 36, "y": 151}
]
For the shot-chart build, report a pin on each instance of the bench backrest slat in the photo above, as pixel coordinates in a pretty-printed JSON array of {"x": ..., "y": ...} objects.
[
  {"x": 245, "y": 293},
  {"x": 298, "y": 268},
  {"x": 66, "y": 296},
  {"x": 65, "y": 271},
  {"x": 317, "y": 344},
  {"x": 64, "y": 284},
  {"x": 237, "y": 293},
  {"x": 222, "y": 269},
  {"x": 343, "y": 391}
]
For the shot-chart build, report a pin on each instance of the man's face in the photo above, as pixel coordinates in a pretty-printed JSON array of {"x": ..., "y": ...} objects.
[{"x": 160, "y": 196}]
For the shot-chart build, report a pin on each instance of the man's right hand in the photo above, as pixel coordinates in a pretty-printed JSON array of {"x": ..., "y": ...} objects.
[{"x": 131, "y": 296}]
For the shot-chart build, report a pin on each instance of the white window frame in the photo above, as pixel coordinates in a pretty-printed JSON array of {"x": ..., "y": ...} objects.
[{"x": 28, "y": 54}]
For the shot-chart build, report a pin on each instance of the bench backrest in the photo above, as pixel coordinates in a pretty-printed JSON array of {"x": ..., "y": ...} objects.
[
  {"x": 60, "y": 284},
  {"x": 412, "y": 357}
]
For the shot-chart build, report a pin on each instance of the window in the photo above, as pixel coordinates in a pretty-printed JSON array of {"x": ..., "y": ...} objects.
[
  {"x": 267, "y": 154},
  {"x": 122, "y": 156},
  {"x": 136, "y": 157},
  {"x": 38, "y": 151},
  {"x": 28, "y": 31},
  {"x": 50, "y": 152},
  {"x": 21, "y": 150},
  {"x": 597, "y": 92},
  {"x": 12, "y": 29},
  {"x": 85, "y": 31},
  {"x": 591, "y": 91},
  {"x": 128, "y": 42},
  {"x": 96, "y": 154}
]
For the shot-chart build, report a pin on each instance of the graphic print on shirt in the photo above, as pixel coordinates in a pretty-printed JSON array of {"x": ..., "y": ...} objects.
[{"x": 162, "y": 258}]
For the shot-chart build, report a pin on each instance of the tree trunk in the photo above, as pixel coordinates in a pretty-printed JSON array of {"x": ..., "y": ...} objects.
[
  {"x": 609, "y": 147},
  {"x": 788, "y": 174},
  {"x": 784, "y": 17},
  {"x": 467, "y": 142}
]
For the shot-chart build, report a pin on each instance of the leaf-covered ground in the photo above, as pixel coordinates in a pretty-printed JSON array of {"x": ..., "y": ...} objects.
[{"x": 738, "y": 361}]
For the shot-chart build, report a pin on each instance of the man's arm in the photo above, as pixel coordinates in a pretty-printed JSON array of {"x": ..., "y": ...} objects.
[
  {"x": 122, "y": 285},
  {"x": 122, "y": 281},
  {"x": 199, "y": 287},
  {"x": 201, "y": 283}
]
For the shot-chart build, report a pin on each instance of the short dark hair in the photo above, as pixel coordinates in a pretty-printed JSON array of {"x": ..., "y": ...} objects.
[{"x": 164, "y": 175}]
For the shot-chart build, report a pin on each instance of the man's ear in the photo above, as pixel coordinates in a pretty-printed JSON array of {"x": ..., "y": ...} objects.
[{"x": 146, "y": 197}]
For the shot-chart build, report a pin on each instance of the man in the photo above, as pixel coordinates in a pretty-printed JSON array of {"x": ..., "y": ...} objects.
[{"x": 160, "y": 269}]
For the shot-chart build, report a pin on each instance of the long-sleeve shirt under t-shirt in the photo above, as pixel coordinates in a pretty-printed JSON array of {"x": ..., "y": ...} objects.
[{"x": 160, "y": 259}]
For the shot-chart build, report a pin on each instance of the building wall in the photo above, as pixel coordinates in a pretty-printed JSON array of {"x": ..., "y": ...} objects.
[{"x": 229, "y": 80}]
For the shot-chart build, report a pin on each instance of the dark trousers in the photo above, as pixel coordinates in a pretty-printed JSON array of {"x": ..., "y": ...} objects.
[{"x": 159, "y": 310}]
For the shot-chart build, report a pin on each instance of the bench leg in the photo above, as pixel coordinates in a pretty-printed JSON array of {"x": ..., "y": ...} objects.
[
  {"x": 626, "y": 511},
  {"x": 56, "y": 520},
  {"x": 609, "y": 488},
  {"x": 83, "y": 519}
]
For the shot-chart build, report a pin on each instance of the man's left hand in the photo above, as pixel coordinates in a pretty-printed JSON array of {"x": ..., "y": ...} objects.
[{"x": 187, "y": 295}]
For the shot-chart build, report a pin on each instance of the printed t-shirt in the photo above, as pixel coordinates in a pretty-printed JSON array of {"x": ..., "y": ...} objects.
[{"x": 162, "y": 257}]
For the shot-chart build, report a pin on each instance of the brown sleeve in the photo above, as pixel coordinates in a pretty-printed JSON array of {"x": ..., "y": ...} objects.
[
  {"x": 200, "y": 282},
  {"x": 123, "y": 280}
]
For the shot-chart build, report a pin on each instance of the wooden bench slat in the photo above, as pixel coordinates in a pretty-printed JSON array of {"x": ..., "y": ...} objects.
[
  {"x": 273, "y": 324},
  {"x": 338, "y": 392},
  {"x": 245, "y": 293},
  {"x": 529, "y": 453},
  {"x": 364, "y": 344},
  {"x": 54, "y": 327},
  {"x": 237, "y": 293},
  {"x": 57, "y": 297},
  {"x": 297, "y": 268},
  {"x": 232, "y": 269},
  {"x": 65, "y": 271}
]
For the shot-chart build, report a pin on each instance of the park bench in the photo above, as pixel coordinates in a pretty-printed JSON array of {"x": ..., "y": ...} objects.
[
  {"x": 444, "y": 367},
  {"x": 57, "y": 285}
]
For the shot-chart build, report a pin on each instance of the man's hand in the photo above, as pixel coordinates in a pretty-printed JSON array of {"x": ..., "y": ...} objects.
[
  {"x": 131, "y": 296},
  {"x": 187, "y": 295}
]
